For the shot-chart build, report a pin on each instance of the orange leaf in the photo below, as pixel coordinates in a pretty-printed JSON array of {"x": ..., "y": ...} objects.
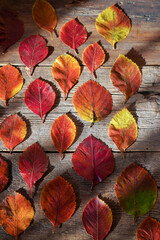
[
  {"x": 113, "y": 24},
  {"x": 13, "y": 130},
  {"x": 66, "y": 71},
  {"x": 44, "y": 15},
  {"x": 63, "y": 133},
  {"x": 92, "y": 102},
  {"x": 58, "y": 201},
  {"x": 16, "y": 214},
  {"x": 93, "y": 57},
  {"x": 11, "y": 82},
  {"x": 4, "y": 174},
  {"x": 126, "y": 76},
  {"x": 123, "y": 129}
]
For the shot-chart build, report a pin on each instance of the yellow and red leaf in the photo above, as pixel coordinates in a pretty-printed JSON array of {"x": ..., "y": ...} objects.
[{"x": 11, "y": 82}]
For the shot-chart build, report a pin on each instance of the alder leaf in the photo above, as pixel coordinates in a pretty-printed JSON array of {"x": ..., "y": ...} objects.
[
  {"x": 11, "y": 82},
  {"x": 136, "y": 190},
  {"x": 66, "y": 71},
  {"x": 13, "y": 131},
  {"x": 63, "y": 133},
  {"x": 33, "y": 163},
  {"x": 126, "y": 76},
  {"x": 32, "y": 51},
  {"x": 39, "y": 97},
  {"x": 4, "y": 174},
  {"x": 44, "y": 15},
  {"x": 92, "y": 102},
  {"x": 123, "y": 129},
  {"x": 93, "y": 160},
  {"x": 73, "y": 34},
  {"x": 11, "y": 28},
  {"x": 149, "y": 229},
  {"x": 93, "y": 56},
  {"x": 113, "y": 24},
  {"x": 58, "y": 201},
  {"x": 97, "y": 218},
  {"x": 16, "y": 214}
]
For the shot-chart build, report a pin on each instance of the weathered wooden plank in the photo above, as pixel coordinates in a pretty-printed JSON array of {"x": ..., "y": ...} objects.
[
  {"x": 144, "y": 108},
  {"x": 144, "y": 36},
  {"x": 123, "y": 224}
]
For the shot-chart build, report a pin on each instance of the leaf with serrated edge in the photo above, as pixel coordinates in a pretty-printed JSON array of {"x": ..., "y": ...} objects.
[
  {"x": 11, "y": 82},
  {"x": 33, "y": 163},
  {"x": 73, "y": 34},
  {"x": 13, "y": 131},
  {"x": 93, "y": 160},
  {"x": 40, "y": 97},
  {"x": 58, "y": 201},
  {"x": 92, "y": 102},
  {"x": 4, "y": 174},
  {"x": 44, "y": 15},
  {"x": 32, "y": 51},
  {"x": 63, "y": 133},
  {"x": 136, "y": 190},
  {"x": 113, "y": 24},
  {"x": 93, "y": 56},
  {"x": 66, "y": 71},
  {"x": 149, "y": 229},
  {"x": 123, "y": 129},
  {"x": 97, "y": 218},
  {"x": 16, "y": 214},
  {"x": 126, "y": 76}
]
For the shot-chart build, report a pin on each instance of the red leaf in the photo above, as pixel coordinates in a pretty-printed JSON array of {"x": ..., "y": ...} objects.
[
  {"x": 32, "y": 51},
  {"x": 73, "y": 34},
  {"x": 93, "y": 57},
  {"x": 39, "y": 97},
  {"x": 97, "y": 218},
  {"x": 33, "y": 163},
  {"x": 149, "y": 229},
  {"x": 93, "y": 160},
  {"x": 11, "y": 29},
  {"x": 4, "y": 174},
  {"x": 58, "y": 201},
  {"x": 13, "y": 130},
  {"x": 63, "y": 133}
]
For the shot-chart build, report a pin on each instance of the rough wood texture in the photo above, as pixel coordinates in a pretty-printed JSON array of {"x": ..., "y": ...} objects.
[{"x": 143, "y": 46}]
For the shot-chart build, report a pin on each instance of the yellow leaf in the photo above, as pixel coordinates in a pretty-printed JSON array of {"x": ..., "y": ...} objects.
[
  {"x": 123, "y": 129},
  {"x": 113, "y": 24}
]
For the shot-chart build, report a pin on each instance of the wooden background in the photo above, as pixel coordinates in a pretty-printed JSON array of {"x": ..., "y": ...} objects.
[{"x": 143, "y": 46}]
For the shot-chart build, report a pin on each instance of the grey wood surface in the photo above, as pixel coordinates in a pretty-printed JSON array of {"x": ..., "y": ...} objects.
[{"x": 142, "y": 45}]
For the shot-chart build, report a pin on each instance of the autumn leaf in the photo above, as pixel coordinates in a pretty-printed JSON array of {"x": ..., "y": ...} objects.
[
  {"x": 16, "y": 214},
  {"x": 93, "y": 160},
  {"x": 4, "y": 174},
  {"x": 123, "y": 129},
  {"x": 92, "y": 102},
  {"x": 58, "y": 201},
  {"x": 136, "y": 190},
  {"x": 63, "y": 133},
  {"x": 113, "y": 24},
  {"x": 66, "y": 71},
  {"x": 44, "y": 15},
  {"x": 32, "y": 51},
  {"x": 93, "y": 56},
  {"x": 11, "y": 28},
  {"x": 33, "y": 163},
  {"x": 11, "y": 82},
  {"x": 97, "y": 218},
  {"x": 149, "y": 229},
  {"x": 39, "y": 97},
  {"x": 73, "y": 34},
  {"x": 126, "y": 76},
  {"x": 13, "y": 130}
]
